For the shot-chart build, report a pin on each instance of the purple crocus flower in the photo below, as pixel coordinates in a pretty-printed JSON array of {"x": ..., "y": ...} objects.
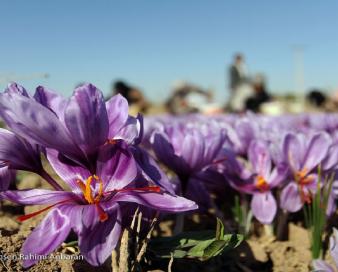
[
  {"x": 320, "y": 265},
  {"x": 303, "y": 155},
  {"x": 92, "y": 206},
  {"x": 240, "y": 134},
  {"x": 120, "y": 124},
  {"x": 259, "y": 178},
  {"x": 187, "y": 149},
  {"x": 79, "y": 125},
  {"x": 37, "y": 124}
]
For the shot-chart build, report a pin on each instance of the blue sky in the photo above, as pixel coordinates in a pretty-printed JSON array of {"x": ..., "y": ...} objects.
[{"x": 154, "y": 43}]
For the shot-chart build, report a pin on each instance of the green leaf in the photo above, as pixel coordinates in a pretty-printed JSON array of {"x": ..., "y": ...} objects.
[
  {"x": 202, "y": 245},
  {"x": 198, "y": 250},
  {"x": 178, "y": 254},
  {"x": 214, "y": 249},
  {"x": 219, "y": 229}
]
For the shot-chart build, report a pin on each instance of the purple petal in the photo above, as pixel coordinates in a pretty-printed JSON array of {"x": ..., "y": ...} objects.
[
  {"x": 331, "y": 205},
  {"x": 86, "y": 118},
  {"x": 214, "y": 147},
  {"x": 16, "y": 88},
  {"x": 67, "y": 170},
  {"x": 258, "y": 154},
  {"x": 290, "y": 198},
  {"x": 334, "y": 246},
  {"x": 47, "y": 236},
  {"x": 264, "y": 207},
  {"x": 37, "y": 196},
  {"x": 197, "y": 192},
  {"x": 246, "y": 131},
  {"x": 116, "y": 166},
  {"x": 96, "y": 239},
  {"x": 193, "y": 148},
  {"x": 117, "y": 109},
  {"x": 316, "y": 151},
  {"x": 322, "y": 266},
  {"x": 166, "y": 154},
  {"x": 51, "y": 100},
  {"x": 6, "y": 177},
  {"x": 331, "y": 159},
  {"x": 18, "y": 153},
  {"x": 294, "y": 150},
  {"x": 151, "y": 170},
  {"x": 132, "y": 131},
  {"x": 278, "y": 175},
  {"x": 31, "y": 120},
  {"x": 157, "y": 201}
]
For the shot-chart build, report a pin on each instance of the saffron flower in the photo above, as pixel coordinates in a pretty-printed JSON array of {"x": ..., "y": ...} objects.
[
  {"x": 303, "y": 155},
  {"x": 92, "y": 207},
  {"x": 259, "y": 178},
  {"x": 79, "y": 125},
  {"x": 188, "y": 148}
]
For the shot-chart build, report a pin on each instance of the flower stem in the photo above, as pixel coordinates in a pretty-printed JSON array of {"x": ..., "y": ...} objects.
[
  {"x": 50, "y": 180},
  {"x": 282, "y": 226}
]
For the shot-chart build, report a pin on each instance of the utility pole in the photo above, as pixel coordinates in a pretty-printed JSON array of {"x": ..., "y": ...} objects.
[{"x": 299, "y": 81}]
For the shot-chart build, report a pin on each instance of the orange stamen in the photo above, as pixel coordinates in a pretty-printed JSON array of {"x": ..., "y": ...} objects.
[
  {"x": 88, "y": 195},
  {"x": 87, "y": 190},
  {"x": 302, "y": 178},
  {"x": 261, "y": 183},
  {"x": 25, "y": 217}
]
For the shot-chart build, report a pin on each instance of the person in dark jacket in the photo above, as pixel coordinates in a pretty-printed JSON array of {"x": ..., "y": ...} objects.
[
  {"x": 132, "y": 94},
  {"x": 260, "y": 94},
  {"x": 237, "y": 73}
]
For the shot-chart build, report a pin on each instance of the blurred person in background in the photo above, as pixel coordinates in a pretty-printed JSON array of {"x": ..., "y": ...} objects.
[
  {"x": 237, "y": 73},
  {"x": 133, "y": 95},
  {"x": 240, "y": 89},
  {"x": 189, "y": 98},
  {"x": 260, "y": 94},
  {"x": 316, "y": 98}
]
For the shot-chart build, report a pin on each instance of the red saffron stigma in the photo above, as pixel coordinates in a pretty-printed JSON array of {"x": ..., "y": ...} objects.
[
  {"x": 305, "y": 197},
  {"x": 219, "y": 160},
  {"x": 111, "y": 141},
  {"x": 155, "y": 189},
  {"x": 25, "y": 217},
  {"x": 103, "y": 216}
]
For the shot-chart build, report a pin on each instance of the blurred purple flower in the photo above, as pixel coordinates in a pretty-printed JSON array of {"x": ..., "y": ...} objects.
[
  {"x": 187, "y": 149},
  {"x": 241, "y": 134},
  {"x": 303, "y": 155},
  {"x": 258, "y": 179}
]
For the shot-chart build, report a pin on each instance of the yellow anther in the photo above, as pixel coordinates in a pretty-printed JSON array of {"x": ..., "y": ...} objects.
[
  {"x": 261, "y": 183},
  {"x": 87, "y": 189},
  {"x": 302, "y": 178}
]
